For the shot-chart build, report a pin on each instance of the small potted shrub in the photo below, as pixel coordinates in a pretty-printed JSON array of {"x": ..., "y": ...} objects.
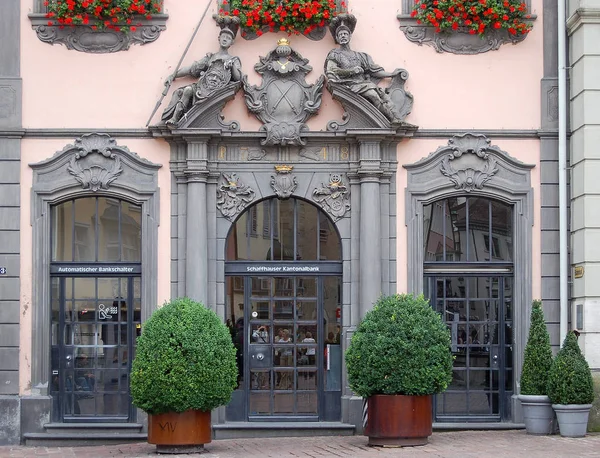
[
  {"x": 397, "y": 359},
  {"x": 571, "y": 388},
  {"x": 184, "y": 367},
  {"x": 537, "y": 408}
]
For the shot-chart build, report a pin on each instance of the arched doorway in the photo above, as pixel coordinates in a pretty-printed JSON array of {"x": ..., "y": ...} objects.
[
  {"x": 469, "y": 279},
  {"x": 283, "y": 298},
  {"x": 95, "y": 277}
]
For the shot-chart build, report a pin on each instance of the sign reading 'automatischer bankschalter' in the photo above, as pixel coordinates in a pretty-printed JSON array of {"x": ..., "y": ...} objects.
[{"x": 95, "y": 269}]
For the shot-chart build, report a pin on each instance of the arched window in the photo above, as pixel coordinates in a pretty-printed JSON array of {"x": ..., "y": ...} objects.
[{"x": 283, "y": 230}]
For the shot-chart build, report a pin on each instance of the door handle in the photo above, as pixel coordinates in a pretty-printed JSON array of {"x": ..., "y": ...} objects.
[
  {"x": 260, "y": 356},
  {"x": 68, "y": 357}
]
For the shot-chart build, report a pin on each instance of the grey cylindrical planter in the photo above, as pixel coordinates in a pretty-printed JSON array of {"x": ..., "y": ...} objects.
[
  {"x": 572, "y": 419},
  {"x": 538, "y": 415}
]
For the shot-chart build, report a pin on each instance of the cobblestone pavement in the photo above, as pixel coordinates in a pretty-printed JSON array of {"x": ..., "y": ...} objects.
[{"x": 456, "y": 444}]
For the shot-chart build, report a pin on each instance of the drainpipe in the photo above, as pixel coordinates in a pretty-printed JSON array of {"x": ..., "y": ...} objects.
[{"x": 562, "y": 170}]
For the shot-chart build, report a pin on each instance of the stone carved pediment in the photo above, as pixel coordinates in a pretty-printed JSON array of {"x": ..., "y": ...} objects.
[
  {"x": 284, "y": 100},
  {"x": 95, "y": 163},
  {"x": 207, "y": 115},
  {"x": 360, "y": 113},
  {"x": 469, "y": 163}
]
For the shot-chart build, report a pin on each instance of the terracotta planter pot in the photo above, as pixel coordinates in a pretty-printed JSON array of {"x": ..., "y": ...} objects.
[
  {"x": 398, "y": 420},
  {"x": 179, "y": 432}
]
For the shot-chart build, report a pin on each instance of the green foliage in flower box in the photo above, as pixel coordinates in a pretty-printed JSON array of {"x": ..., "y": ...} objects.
[
  {"x": 475, "y": 16},
  {"x": 292, "y": 16},
  {"x": 99, "y": 14}
]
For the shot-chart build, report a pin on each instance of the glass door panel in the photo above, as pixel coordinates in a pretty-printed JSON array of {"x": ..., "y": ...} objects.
[
  {"x": 478, "y": 313},
  {"x": 92, "y": 348}
]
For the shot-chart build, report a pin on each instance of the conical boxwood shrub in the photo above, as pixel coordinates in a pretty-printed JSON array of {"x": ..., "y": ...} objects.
[
  {"x": 570, "y": 379},
  {"x": 185, "y": 359},
  {"x": 400, "y": 347},
  {"x": 538, "y": 355}
]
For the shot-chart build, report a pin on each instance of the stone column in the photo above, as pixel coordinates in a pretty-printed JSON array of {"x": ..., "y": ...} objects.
[
  {"x": 196, "y": 265},
  {"x": 370, "y": 223}
]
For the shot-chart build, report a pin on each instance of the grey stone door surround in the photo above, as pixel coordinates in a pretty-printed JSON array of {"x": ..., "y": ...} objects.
[
  {"x": 470, "y": 166},
  {"x": 205, "y": 166},
  {"x": 93, "y": 166}
]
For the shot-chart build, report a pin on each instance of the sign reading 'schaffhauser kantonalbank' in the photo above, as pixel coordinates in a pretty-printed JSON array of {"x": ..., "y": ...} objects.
[{"x": 283, "y": 267}]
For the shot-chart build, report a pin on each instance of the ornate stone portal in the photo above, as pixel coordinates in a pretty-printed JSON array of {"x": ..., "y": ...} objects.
[{"x": 284, "y": 101}]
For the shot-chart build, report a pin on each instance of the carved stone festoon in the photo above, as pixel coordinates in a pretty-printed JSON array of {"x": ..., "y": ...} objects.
[
  {"x": 85, "y": 39},
  {"x": 284, "y": 101},
  {"x": 468, "y": 164},
  {"x": 334, "y": 197},
  {"x": 283, "y": 182},
  {"x": 94, "y": 165},
  {"x": 233, "y": 196},
  {"x": 352, "y": 79},
  {"x": 457, "y": 41}
]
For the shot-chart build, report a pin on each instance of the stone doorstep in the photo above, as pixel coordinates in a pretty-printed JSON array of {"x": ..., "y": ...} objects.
[{"x": 238, "y": 430}]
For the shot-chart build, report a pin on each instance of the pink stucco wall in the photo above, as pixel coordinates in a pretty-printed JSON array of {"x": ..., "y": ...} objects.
[{"x": 65, "y": 89}]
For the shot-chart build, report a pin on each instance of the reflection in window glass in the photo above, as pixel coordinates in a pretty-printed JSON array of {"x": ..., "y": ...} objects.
[
  {"x": 289, "y": 230},
  {"x": 96, "y": 229},
  {"x": 467, "y": 229}
]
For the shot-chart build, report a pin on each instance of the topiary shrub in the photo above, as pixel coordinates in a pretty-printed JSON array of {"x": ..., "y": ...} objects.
[
  {"x": 570, "y": 379},
  {"x": 400, "y": 347},
  {"x": 538, "y": 355},
  {"x": 184, "y": 360}
]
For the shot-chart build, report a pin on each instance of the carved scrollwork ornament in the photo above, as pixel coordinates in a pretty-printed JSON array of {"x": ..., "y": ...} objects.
[
  {"x": 90, "y": 165},
  {"x": 86, "y": 39},
  {"x": 283, "y": 182},
  {"x": 233, "y": 196},
  {"x": 456, "y": 41},
  {"x": 469, "y": 165},
  {"x": 334, "y": 197}
]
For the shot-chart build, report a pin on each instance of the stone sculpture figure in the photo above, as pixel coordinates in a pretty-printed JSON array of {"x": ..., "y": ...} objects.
[
  {"x": 214, "y": 71},
  {"x": 356, "y": 70}
]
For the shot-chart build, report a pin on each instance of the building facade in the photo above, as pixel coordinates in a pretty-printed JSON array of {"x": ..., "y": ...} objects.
[{"x": 285, "y": 190}]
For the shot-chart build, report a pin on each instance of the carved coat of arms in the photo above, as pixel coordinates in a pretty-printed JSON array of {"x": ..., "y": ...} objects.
[
  {"x": 284, "y": 101},
  {"x": 333, "y": 197},
  {"x": 233, "y": 196},
  {"x": 283, "y": 182}
]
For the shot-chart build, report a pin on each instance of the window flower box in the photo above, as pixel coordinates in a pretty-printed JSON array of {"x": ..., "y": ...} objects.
[
  {"x": 98, "y": 26},
  {"x": 466, "y": 26},
  {"x": 295, "y": 17}
]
